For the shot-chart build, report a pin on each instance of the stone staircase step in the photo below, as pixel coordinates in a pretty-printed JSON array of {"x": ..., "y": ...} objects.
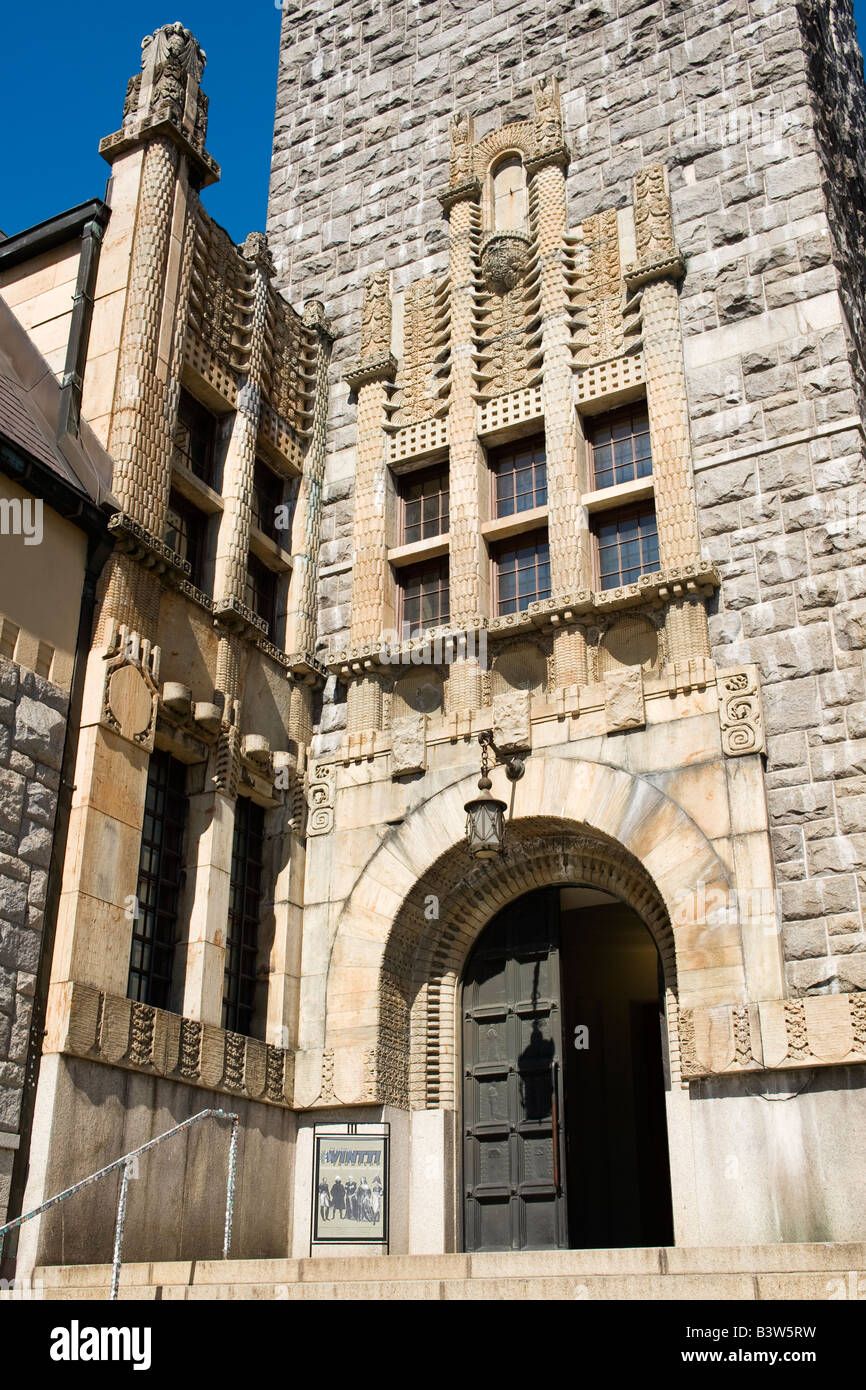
[{"x": 703, "y": 1273}]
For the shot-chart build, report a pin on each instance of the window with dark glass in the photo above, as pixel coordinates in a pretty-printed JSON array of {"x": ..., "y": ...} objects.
[
  {"x": 620, "y": 445},
  {"x": 245, "y": 897},
  {"x": 522, "y": 569},
  {"x": 268, "y": 491},
  {"x": 185, "y": 529},
  {"x": 159, "y": 882},
  {"x": 627, "y": 545},
  {"x": 425, "y": 504},
  {"x": 424, "y": 596},
  {"x": 519, "y": 477},
  {"x": 261, "y": 592},
  {"x": 195, "y": 437}
]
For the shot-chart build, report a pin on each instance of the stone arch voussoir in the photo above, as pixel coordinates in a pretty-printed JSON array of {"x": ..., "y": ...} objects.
[{"x": 420, "y": 903}]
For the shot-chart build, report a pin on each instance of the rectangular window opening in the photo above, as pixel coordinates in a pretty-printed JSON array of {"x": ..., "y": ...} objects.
[
  {"x": 519, "y": 477},
  {"x": 424, "y": 499},
  {"x": 245, "y": 898},
  {"x": 626, "y": 545},
  {"x": 424, "y": 597},
  {"x": 522, "y": 572},
  {"x": 160, "y": 874},
  {"x": 195, "y": 437},
  {"x": 620, "y": 446}
]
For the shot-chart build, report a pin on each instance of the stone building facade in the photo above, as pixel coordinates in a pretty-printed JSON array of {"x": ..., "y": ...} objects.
[
  {"x": 687, "y": 234},
  {"x": 53, "y": 493},
  {"x": 574, "y": 467}
]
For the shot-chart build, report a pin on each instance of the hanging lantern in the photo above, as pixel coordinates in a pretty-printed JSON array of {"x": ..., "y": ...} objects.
[{"x": 485, "y": 817}]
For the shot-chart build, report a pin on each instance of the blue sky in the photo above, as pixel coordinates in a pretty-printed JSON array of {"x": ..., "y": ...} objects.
[{"x": 63, "y": 73}]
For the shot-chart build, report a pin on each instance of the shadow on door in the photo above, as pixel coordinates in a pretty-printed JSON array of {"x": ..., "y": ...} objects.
[{"x": 565, "y": 1136}]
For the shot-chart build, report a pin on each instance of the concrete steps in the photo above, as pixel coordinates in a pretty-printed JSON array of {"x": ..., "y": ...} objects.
[{"x": 715, "y": 1273}]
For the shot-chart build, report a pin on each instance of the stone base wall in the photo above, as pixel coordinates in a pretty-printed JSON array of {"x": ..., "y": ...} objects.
[
  {"x": 89, "y": 1114},
  {"x": 32, "y": 733}
]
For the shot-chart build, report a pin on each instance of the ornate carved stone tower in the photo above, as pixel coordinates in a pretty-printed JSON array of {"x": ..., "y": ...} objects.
[{"x": 595, "y": 464}]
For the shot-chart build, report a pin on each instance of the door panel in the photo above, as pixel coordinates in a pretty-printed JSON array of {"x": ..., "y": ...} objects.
[{"x": 511, "y": 1043}]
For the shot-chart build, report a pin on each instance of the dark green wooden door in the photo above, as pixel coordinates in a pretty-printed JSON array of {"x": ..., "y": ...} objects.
[{"x": 512, "y": 1091}]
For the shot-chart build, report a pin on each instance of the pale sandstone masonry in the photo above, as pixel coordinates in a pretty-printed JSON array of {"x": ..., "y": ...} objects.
[
  {"x": 757, "y": 111},
  {"x": 32, "y": 731}
]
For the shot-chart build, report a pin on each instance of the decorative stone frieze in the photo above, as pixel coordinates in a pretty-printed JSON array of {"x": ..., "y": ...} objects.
[
  {"x": 87, "y": 1022},
  {"x": 821, "y": 1030}
]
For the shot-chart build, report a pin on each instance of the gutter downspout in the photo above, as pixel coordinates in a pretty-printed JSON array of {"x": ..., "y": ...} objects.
[
  {"x": 99, "y": 547},
  {"x": 72, "y": 381}
]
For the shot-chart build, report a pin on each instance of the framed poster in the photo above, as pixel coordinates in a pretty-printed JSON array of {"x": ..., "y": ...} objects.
[{"x": 350, "y": 1187}]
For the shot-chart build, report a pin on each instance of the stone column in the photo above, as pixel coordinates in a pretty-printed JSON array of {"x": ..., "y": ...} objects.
[
  {"x": 369, "y": 378},
  {"x": 201, "y": 953},
  {"x": 656, "y": 272},
  {"x": 301, "y": 619},
  {"x": 468, "y": 563},
  {"x": 568, "y": 538},
  {"x": 237, "y": 490},
  {"x": 161, "y": 139}
]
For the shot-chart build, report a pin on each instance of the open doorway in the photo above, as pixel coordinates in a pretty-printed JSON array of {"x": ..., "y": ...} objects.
[{"x": 564, "y": 1075}]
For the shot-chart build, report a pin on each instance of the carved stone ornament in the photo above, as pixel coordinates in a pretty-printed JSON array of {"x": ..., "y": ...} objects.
[
  {"x": 321, "y": 787},
  {"x": 409, "y": 744},
  {"x": 255, "y": 248},
  {"x": 548, "y": 115},
  {"x": 623, "y": 700},
  {"x": 131, "y": 691},
  {"x": 511, "y": 726},
  {"x": 504, "y": 258},
  {"x": 740, "y": 713},
  {"x": 461, "y": 148},
  {"x": 376, "y": 316}
]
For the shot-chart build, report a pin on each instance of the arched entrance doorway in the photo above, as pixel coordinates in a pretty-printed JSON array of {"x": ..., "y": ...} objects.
[{"x": 564, "y": 1074}]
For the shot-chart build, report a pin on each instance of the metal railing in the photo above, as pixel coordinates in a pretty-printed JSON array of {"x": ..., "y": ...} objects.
[{"x": 125, "y": 1162}]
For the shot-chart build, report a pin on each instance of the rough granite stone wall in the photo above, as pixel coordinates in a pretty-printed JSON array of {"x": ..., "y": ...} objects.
[
  {"x": 756, "y": 107},
  {"x": 32, "y": 732}
]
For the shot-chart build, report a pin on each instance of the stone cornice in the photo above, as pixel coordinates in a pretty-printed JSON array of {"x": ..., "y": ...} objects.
[
  {"x": 468, "y": 191},
  {"x": 302, "y": 666},
  {"x": 133, "y": 539},
  {"x": 666, "y": 268},
  {"x": 361, "y": 373},
  {"x": 234, "y": 615},
  {"x": 585, "y": 605},
  {"x": 149, "y": 129}
]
